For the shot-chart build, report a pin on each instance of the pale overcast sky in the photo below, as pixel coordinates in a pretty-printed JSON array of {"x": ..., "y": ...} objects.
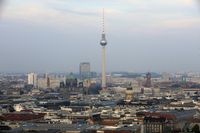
[{"x": 56, "y": 35}]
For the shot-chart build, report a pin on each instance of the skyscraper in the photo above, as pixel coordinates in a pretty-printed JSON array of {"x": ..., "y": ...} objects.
[
  {"x": 32, "y": 79},
  {"x": 103, "y": 43},
  {"x": 84, "y": 70},
  {"x": 148, "y": 80}
]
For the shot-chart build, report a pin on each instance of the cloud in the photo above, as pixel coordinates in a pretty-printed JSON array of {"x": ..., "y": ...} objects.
[
  {"x": 2, "y": 4},
  {"x": 127, "y": 13},
  {"x": 181, "y": 23}
]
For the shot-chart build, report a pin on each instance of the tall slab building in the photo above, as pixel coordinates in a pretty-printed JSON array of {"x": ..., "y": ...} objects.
[
  {"x": 84, "y": 70},
  {"x": 32, "y": 79}
]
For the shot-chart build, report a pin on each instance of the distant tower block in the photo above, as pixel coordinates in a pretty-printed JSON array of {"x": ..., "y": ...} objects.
[
  {"x": 32, "y": 79},
  {"x": 48, "y": 82},
  {"x": 84, "y": 70},
  {"x": 103, "y": 43},
  {"x": 148, "y": 80}
]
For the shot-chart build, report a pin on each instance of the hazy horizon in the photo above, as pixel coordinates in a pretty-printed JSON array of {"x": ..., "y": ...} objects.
[{"x": 56, "y": 35}]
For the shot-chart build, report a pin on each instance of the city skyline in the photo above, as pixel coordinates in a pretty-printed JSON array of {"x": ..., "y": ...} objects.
[{"x": 55, "y": 36}]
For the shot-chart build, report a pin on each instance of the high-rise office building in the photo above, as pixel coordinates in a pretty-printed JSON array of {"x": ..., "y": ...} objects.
[
  {"x": 32, "y": 79},
  {"x": 103, "y": 43},
  {"x": 47, "y": 80},
  {"x": 84, "y": 70},
  {"x": 148, "y": 80}
]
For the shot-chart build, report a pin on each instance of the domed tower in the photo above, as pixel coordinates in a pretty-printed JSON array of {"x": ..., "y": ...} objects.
[
  {"x": 103, "y": 43},
  {"x": 129, "y": 93}
]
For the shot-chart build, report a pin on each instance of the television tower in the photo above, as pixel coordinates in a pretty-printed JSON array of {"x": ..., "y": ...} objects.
[{"x": 103, "y": 43}]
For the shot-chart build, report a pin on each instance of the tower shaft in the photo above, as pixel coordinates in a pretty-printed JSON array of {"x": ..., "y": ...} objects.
[
  {"x": 103, "y": 43},
  {"x": 103, "y": 84}
]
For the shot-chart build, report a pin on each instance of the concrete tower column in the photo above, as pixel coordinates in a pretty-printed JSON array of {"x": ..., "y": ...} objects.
[{"x": 103, "y": 67}]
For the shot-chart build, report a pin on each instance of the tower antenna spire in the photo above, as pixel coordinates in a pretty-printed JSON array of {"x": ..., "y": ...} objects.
[{"x": 103, "y": 23}]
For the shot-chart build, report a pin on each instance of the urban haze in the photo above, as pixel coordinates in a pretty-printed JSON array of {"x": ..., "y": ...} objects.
[{"x": 99, "y": 66}]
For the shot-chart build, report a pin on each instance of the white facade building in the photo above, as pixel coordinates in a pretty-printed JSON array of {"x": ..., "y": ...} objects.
[{"x": 32, "y": 79}]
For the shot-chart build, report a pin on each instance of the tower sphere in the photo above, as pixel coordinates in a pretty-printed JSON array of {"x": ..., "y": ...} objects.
[{"x": 103, "y": 42}]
